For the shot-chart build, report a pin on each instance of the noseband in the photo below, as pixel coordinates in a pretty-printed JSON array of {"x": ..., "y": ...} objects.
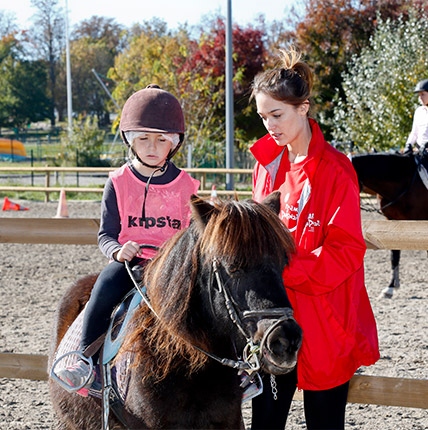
[{"x": 251, "y": 351}]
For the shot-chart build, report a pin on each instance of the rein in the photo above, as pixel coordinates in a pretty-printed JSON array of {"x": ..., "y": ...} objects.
[
  {"x": 393, "y": 201},
  {"x": 250, "y": 362},
  {"x": 137, "y": 285},
  {"x": 406, "y": 190}
]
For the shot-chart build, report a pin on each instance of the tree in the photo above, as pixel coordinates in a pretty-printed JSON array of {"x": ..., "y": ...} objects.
[
  {"x": 23, "y": 96},
  {"x": 378, "y": 104},
  {"x": 193, "y": 70},
  {"x": 330, "y": 33},
  {"x": 152, "y": 55},
  {"x": 94, "y": 45},
  {"x": 206, "y": 63},
  {"x": 84, "y": 145},
  {"x": 99, "y": 28},
  {"x": 155, "y": 54},
  {"x": 7, "y": 23},
  {"x": 48, "y": 41}
]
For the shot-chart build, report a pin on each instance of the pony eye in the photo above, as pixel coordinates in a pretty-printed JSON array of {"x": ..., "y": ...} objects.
[{"x": 233, "y": 270}]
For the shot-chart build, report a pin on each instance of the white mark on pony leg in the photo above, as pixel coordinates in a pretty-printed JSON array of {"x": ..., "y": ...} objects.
[{"x": 387, "y": 293}]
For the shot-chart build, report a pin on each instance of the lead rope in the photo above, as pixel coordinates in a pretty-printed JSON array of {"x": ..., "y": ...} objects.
[{"x": 273, "y": 387}]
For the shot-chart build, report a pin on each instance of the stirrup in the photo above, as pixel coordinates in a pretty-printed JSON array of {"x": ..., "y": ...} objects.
[{"x": 64, "y": 384}]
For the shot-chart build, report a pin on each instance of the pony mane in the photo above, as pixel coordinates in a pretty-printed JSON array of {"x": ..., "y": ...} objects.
[{"x": 240, "y": 235}]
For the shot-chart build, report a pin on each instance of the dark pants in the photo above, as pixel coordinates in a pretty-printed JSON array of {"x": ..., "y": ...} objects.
[
  {"x": 323, "y": 409},
  {"x": 112, "y": 285}
]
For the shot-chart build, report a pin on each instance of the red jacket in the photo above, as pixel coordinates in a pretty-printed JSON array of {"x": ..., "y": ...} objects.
[{"x": 325, "y": 279}]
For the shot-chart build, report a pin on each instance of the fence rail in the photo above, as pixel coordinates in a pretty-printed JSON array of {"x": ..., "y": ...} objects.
[
  {"x": 382, "y": 234},
  {"x": 374, "y": 390},
  {"x": 363, "y": 389},
  {"x": 200, "y": 173}
]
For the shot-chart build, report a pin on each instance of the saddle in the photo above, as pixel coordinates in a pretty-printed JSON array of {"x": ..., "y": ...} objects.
[
  {"x": 111, "y": 381},
  {"x": 421, "y": 160}
]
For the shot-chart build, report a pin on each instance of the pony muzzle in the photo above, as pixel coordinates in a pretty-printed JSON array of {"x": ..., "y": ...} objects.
[{"x": 280, "y": 341}]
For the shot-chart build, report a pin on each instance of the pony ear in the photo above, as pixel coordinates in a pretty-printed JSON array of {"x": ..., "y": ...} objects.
[
  {"x": 201, "y": 210},
  {"x": 272, "y": 201}
]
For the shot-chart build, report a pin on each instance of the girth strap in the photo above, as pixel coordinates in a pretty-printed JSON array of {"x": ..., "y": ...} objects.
[{"x": 91, "y": 349}]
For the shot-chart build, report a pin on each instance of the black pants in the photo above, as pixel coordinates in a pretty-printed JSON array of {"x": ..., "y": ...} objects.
[
  {"x": 112, "y": 285},
  {"x": 323, "y": 409}
]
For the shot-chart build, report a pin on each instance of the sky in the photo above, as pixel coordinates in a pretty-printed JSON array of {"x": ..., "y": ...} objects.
[{"x": 174, "y": 12}]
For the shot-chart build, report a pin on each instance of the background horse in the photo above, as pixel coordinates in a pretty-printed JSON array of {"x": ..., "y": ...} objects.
[
  {"x": 401, "y": 192},
  {"x": 233, "y": 249}
]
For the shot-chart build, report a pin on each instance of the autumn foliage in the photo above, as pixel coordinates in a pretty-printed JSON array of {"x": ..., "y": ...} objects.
[{"x": 332, "y": 35}]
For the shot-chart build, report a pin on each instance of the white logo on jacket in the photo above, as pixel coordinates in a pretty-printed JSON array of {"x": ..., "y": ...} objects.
[{"x": 311, "y": 223}]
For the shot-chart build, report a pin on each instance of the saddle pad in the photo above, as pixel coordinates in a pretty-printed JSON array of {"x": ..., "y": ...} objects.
[
  {"x": 423, "y": 174},
  {"x": 71, "y": 342}
]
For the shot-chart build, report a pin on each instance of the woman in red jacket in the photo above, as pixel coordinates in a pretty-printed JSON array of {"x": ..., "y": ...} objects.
[{"x": 325, "y": 279}]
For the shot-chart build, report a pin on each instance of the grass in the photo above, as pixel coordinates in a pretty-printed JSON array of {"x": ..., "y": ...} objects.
[
  {"x": 39, "y": 196},
  {"x": 43, "y": 146},
  {"x": 47, "y": 151}
]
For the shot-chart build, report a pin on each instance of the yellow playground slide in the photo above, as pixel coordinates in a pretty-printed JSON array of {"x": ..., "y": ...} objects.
[{"x": 12, "y": 148}]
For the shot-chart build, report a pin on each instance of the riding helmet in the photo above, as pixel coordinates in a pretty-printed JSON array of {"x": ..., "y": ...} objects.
[
  {"x": 153, "y": 110},
  {"x": 421, "y": 86}
]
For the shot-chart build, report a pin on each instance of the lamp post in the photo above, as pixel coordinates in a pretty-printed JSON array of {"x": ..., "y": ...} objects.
[
  {"x": 229, "y": 98},
  {"x": 68, "y": 65}
]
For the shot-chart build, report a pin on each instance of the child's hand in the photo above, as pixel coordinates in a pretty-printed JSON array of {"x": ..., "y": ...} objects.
[{"x": 128, "y": 251}]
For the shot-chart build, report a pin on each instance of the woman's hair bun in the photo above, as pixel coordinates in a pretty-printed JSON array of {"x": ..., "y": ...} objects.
[
  {"x": 290, "y": 81},
  {"x": 291, "y": 60}
]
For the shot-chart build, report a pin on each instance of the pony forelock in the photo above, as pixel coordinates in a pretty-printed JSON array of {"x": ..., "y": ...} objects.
[{"x": 244, "y": 233}]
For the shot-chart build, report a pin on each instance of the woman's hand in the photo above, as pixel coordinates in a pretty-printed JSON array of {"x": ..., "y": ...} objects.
[{"x": 128, "y": 251}]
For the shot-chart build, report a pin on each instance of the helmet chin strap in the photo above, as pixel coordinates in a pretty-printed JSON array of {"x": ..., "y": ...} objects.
[{"x": 157, "y": 169}]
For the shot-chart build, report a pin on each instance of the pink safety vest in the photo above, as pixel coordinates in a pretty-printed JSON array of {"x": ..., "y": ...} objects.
[{"x": 167, "y": 208}]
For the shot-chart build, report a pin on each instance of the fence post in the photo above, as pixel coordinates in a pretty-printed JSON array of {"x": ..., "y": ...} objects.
[
  {"x": 77, "y": 165},
  {"x": 203, "y": 181},
  {"x": 32, "y": 165},
  {"x": 47, "y": 183},
  {"x": 11, "y": 150}
]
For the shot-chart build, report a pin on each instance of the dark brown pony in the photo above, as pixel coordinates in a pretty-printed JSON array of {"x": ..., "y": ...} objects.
[
  {"x": 235, "y": 250},
  {"x": 401, "y": 192}
]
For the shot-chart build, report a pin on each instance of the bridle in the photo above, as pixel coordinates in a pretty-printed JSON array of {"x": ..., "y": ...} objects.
[
  {"x": 250, "y": 357},
  {"x": 250, "y": 362},
  {"x": 392, "y": 201},
  {"x": 402, "y": 194}
]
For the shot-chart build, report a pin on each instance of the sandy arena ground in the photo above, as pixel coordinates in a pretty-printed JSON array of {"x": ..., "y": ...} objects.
[{"x": 33, "y": 277}]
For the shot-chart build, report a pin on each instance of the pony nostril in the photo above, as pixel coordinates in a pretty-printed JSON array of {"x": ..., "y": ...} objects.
[
  {"x": 295, "y": 345},
  {"x": 278, "y": 346},
  {"x": 284, "y": 342}
]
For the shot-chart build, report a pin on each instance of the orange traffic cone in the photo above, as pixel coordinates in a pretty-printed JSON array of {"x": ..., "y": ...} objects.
[
  {"x": 213, "y": 198},
  {"x": 10, "y": 206},
  {"x": 62, "y": 211}
]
